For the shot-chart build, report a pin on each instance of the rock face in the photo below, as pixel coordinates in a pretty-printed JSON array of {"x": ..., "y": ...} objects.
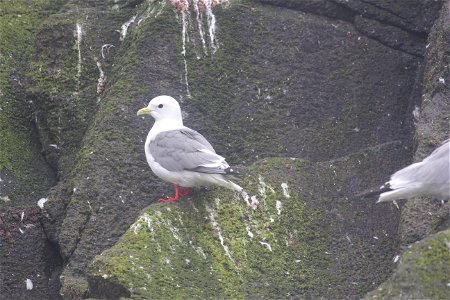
[
  {"x": 420, "y": 218},
  {"x": 422, "y": 272},
  {"x": 423, "y": 269},
  {"x": 272, "y": 242},
  {"x": 332, "y": 84}
]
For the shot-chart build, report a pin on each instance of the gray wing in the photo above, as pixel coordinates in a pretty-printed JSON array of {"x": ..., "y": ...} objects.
[
  {"x": 186, "y": 149},
  {"x": 434, "y": 169}
]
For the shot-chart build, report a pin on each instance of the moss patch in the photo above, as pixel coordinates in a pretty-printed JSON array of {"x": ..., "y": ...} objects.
[
  {"x": 433, "y": 266},
  {"x": 422, "y": 273},
  {"x": 217, "y": 246},
  {"x": 20, "y": 159},
  {"x": 305, "y": 239}
]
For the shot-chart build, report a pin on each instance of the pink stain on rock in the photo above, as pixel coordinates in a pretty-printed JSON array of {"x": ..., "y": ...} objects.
[
  {"x": 202, "y": 4},
  {"x": 183, "y": 5}
]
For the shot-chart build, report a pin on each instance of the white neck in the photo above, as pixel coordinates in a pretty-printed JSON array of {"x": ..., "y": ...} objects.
[{"x": 165, "y": 125}]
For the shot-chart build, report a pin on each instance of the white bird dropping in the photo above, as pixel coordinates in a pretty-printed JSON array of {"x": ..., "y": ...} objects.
[
  {"x": 29, "y": 284},
  {"x": 41, "y": 202}
]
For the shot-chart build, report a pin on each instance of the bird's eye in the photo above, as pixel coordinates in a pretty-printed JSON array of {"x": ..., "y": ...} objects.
[{"x": 160, "y": 106}]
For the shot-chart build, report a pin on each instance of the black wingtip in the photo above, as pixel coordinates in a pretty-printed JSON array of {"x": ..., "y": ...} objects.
[{"x": 374, "y": 192}]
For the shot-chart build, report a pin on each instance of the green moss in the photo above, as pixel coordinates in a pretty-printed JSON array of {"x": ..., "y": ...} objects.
[
  {"x": 19, "y": 152},
  {"x": 422, "y": 272},
  {"x": 65, "y": 98},
  {"x": 290, "y": 246},
  {"x": 433, "y": 266},
  {"x": 217, "y": 247},
  {"x": 121, "y": 89},
  {"x": 73, "y": 286}
]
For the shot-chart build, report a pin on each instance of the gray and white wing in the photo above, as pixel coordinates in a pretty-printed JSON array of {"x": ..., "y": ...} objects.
[
  {"x": 433, "y": 170},
  {"x": 186, "y": 149}
]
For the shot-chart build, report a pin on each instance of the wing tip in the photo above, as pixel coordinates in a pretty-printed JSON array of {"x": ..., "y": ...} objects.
[{"x": 374, "y": 192}]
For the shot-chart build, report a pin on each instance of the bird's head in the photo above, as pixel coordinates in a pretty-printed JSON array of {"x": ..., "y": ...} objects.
[{"x": 162, "y": 108}]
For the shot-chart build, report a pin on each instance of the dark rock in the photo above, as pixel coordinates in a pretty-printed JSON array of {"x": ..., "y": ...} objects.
[
  {"x": 303, "y": 79},
  {"x": 390, "y": 36},
  {"x": 26, "y": 254},
  {"x": 419, "y": 216},
  {"x": 413, "y": 16}
]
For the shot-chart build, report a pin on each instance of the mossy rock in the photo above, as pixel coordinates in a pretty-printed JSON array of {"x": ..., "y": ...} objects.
[
  {"x": 282, "y": 83},
  {"x": 24, "y": 174},
  {"x": 217, "y": 246},
  {"x": 422, "y": 273},
  {"x": 221, "y": 244}
]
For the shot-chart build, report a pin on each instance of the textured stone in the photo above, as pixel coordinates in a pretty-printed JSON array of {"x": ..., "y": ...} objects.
[{"x": 302, "y": 79}]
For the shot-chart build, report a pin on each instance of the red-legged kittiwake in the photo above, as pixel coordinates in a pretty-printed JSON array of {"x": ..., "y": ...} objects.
[{"x": 181, "y": 155}]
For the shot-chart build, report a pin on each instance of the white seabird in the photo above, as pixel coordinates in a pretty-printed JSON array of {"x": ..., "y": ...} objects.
[
  {"x": 428, "y": 177},
  {"x": 181, "y": 155}
]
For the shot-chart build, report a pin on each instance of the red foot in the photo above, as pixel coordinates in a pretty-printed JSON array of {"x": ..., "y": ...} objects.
[
  {"x": 170, "y": 199},
  {"x": 178, "y": 192}
]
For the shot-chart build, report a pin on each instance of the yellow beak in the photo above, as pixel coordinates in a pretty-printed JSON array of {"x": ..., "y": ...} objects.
[{"x": 144, "y": 111}]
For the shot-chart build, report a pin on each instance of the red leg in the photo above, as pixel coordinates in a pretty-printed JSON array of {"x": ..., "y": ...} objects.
[{"x": 174, "y": 198}]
